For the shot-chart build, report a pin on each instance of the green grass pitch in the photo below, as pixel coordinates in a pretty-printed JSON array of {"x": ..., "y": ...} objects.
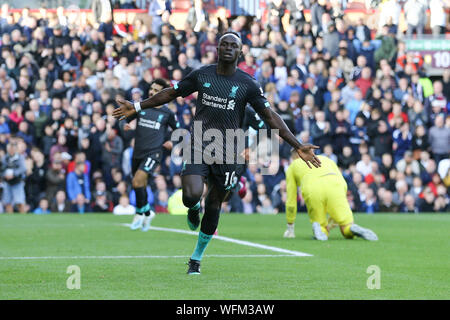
[{"x": 117, "y": 263}]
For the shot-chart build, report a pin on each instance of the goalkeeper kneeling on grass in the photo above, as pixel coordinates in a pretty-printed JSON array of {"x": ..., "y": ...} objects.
[{"x": 325, "y": 191}]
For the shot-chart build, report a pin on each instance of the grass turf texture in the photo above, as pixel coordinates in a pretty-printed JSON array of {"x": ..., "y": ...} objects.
[{"x": 412, "y": 254}]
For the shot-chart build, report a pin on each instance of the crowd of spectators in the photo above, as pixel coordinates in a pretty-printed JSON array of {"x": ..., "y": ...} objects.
[{"x": 353, "y": 91}]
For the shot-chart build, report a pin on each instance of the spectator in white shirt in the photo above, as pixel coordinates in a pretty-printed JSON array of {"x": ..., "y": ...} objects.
[
  {"x": 415, "y": 16},
  {"x": 364, "y": 166},
  {"x": 437, "y": 17},
  {"x": 124, "y": 207}
]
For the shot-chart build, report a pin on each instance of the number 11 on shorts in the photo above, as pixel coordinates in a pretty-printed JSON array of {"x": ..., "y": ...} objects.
[{"x": 149, "y": 163}]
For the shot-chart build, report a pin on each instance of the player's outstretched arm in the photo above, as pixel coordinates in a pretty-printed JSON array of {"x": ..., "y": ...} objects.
[
  {"x": 127, "y": 109},
  {"x": 304, "y": 151}
]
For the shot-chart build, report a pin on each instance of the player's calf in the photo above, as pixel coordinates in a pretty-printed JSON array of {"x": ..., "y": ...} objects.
[
  {"x": 192, "y": 193},
  {"x": 193, "y": 216}
]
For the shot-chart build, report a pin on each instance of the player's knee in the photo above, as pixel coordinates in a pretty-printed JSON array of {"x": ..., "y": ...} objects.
[
  {"x": 138, "y": 182},
  {"x": 190, "y": 199}
]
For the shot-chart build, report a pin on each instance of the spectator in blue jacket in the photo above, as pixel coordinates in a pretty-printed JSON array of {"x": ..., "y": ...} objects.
[
  {"x": 402, "y": 141},
  {"x": 78, "y": 183},
  {"x": 370, "y": 203},
  {"x": 4, "y": 127},
  {"x": 285, "y": 93},
  {"x": 43, "y": 207}
]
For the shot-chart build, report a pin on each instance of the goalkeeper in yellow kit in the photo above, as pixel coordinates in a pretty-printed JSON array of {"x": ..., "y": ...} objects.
[{"x": 324, "y": 190}]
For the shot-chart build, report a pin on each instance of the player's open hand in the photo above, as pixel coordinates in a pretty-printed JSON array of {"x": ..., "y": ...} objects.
[
  {"x": 125, "y": 110},
  {"x": 306, "y": 153}
]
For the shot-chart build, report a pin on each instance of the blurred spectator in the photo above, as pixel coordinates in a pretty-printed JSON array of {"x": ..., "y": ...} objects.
[
  {"x": 317, "y": 11},
  {"x": 387, "y": 49},
  {"x": 390, "y": 14},
  {"x": 59, "y": 147},
  {"x": 364, "y": 166},
  {"x": 386, "y": 202},
  {"x": 439, "y": 138},
  {"x": 346, "y": 158},
  {"x": 345, "y": 64},
  {"x": 365, "y": 81},
  {"x": 402, "y": 141},
  {"x": 328, "y": 152},
  {"x": 77, "y": 183},
  {"x": 320, "y": 130},
  {"x": 438, "y": 17},
  {"x": 370, "y": 204},
  {"x": 101, "y": 203},
  {"x": 42, "y": 208},
  {"x": 354, "y": 104},
  {"x": 358, "y": 133},
  {"x": 13, "y": 172},
  {"x": 80, "y": 204},
  {"x": 265, "y": 207},
  {"x": 415, "y": 16},
  {"x": 124, "y": 207},
  {"x": 59, "y": 203},
  {"x": 162, "y": 202},
  {"x": 35, "y": 182},
  {"x": 197, "y": 15},
  {"x": 409, "y": 205},
  {"x": 382, "y": 140},
  {"x": 408, "y": 161}
]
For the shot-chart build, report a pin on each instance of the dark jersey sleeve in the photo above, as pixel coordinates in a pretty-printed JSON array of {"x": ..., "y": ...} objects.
[
  {"x": 256, "y": 97},
  {"x": 252, "y": 119},
  {"x": 173, "y": 121},
  {"x": 188, "y": 84}
]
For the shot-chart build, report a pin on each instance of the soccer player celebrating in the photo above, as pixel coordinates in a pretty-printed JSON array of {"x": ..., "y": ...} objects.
[
  {"x": 324, "y": 190},
  {"x": 150, "y": 136},
  {"x": 223, "y": 93}
]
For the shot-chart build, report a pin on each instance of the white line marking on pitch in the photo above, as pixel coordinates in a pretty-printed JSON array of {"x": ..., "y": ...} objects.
[
  {"x": 241, "y": 242},
  {"x": 150, "y": 257}
]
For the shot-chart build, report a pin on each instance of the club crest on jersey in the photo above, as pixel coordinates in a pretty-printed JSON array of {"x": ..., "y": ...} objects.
[
  {"x": 207, "y": 84},
  {"x": 231, "y": 104},
  {"x": 234, "y": 89},
  {"x": 160, "y": 117}
]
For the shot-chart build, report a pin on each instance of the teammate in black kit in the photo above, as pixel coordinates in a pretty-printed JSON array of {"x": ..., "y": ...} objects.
[
  {"x": 223, "y": 93},
  {"x": 150, "y": 136}
]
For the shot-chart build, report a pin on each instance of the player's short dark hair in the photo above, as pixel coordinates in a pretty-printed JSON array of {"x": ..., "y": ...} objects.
[
  {"x": 232, "y": 32},
  {"x": 163, "y": 83}
]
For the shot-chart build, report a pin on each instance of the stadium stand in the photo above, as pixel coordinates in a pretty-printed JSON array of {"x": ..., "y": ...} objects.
[{"x": 350, "y": 86}]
